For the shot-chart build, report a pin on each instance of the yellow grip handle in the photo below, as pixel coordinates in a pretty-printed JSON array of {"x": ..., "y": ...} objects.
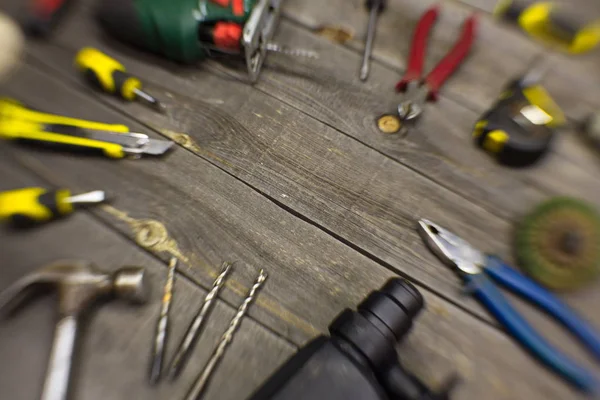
[
  {"x": 11, "y": 109},
  {"x": 34, "y": 204},
  {"x": 33, "y": 132},
  {"x": 107, "y": 73}
]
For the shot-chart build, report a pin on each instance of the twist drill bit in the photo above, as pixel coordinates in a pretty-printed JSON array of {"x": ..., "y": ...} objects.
[
  {"x": 162, "y": 327},
  {"x": 277, "y": 48},
  {"x": 198, "y": 387},
  {"x": 193, "y": 333}
]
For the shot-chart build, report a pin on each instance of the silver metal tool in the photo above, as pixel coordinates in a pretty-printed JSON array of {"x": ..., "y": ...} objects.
[
  {"x": 258, "y": 34},
  {"x": 97, "y": 196},
  {"x": 133, "y": 143},
  {"x": 258, "y": 31},
  {"x": 198, "y": 388},
  {"x": 162, "y": 326},
  {"x": 185, "y": 347},
  {"x": 79, "y": 284},
  {"x": 281, "y": 49},
  {"x": 375, "y": 7}
]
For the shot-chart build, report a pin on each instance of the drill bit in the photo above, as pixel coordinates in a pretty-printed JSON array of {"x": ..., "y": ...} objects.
[
  {"x": 277, "y": 48},
  {"x": 162, "y": 327},
  {"x": 185, "y": 347},
  {"x": 198, "y": 387}
]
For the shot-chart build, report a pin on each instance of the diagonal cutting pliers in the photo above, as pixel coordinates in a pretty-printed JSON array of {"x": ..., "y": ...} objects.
[
  {"x": 417, "y": 91},
  {"x": 479, "y": 270}
]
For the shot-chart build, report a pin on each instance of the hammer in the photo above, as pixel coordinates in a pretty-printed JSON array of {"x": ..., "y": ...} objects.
[{"x": 79, "y": 285}]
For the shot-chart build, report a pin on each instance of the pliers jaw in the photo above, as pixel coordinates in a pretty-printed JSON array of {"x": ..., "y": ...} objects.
[
  {"x": 452, "y": 249},
  {"x": 415, "y": 97}
]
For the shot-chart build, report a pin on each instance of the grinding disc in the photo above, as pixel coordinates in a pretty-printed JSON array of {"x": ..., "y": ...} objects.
[{"x": 558, "y": 243}]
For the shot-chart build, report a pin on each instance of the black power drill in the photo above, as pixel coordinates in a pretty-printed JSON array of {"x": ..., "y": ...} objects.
[{"x": 358, "y": 361}]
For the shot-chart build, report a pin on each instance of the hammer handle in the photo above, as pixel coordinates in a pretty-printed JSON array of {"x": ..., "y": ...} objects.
[{"x": 56, "y": 385}]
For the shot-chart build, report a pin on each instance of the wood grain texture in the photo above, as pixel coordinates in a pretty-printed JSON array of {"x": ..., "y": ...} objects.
[
  {"x": 273, "y": 180},
  {"x": 116, "y": 340},
  {"x": 115, "y": 349},
  {"x": 379, "y": 204},
  {"x": 458, "y": 164}
]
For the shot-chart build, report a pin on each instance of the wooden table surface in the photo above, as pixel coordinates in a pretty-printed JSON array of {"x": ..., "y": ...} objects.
[{"x": 291, "y": 175}]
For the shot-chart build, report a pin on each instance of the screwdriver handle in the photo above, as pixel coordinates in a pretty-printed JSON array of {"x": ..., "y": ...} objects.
[
  {"x": 34, "y": 133},
  {"x": 107, "y": 74},
  {"x": 378, "y": 4},
  {"x": 35, "y": 204}
]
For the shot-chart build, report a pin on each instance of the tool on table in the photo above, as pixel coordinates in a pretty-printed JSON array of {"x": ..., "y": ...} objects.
[
  {"x": 568, "y": 29},
  {"x": 375, "y": 7},
  {"x": 32, "y": 205},
  {"x": 418, "y": 90},
  {"x": 27, "y": 126},
  {"x": 42, "y": 16},
  {"x": 109, "y": 75},
  {"x": 193, "y": 333},
  {"x": 198, "y": 387},
  {"x": 189, "y": 31},
  {"x": 478, "y": 270},
  {"x": 520, "y": 128},
  {"x": 558, "y": 243},
  {"x": 79, "y": 285},
  {"x": 359, "y": 360},
  {"x": 162, "y": 326}
]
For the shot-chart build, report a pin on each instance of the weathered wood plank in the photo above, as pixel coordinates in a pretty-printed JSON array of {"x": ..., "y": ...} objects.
[
  {"x": 499, "y": 53},
  {"x": 445, "y": 340},
  {"x": 336, "y": 101},
  {"x": 115, "y": 346},
  {"x": 377, "y": 214},
  {"x": 301, "y": 164}
]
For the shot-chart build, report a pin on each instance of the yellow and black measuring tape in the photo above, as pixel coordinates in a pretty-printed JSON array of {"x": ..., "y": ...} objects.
[
  {"x": 546, "y": 21},
  {"x": 519, "y": 129}
]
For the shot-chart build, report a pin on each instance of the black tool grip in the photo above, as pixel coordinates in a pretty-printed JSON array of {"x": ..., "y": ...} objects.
[
  {"x": 379, "y": 4},
  {"x": 44, "y": 15}
]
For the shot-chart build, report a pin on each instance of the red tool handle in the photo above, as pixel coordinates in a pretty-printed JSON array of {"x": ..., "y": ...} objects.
[
  {"x": 418, "y": 48},
  {"x": 448, "y": 65}
]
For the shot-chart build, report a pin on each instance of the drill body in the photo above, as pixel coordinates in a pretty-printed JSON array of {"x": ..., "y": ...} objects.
[
  {"x": 185, "y": 31},
  {"x": 358, "y": 361}
]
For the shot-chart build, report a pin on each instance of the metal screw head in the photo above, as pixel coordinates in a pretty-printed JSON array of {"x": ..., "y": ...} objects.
[
  {"x": 130, "y": 283},
  {"x": 389, "y": 123}
]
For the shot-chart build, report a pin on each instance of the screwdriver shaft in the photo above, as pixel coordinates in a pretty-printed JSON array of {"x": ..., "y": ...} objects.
[
  {"x": 366, "y": 61},
  {"x": 197, "y": 389},
  {"x": 97, "y": 196},
  {"x": 162, "y": 327},
  {"x": 153, "y": 101},
  {"x": 193, "y": 332}
]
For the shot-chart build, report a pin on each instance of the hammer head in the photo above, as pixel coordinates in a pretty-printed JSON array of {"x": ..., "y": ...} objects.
[{"x": 79, "y": 284}]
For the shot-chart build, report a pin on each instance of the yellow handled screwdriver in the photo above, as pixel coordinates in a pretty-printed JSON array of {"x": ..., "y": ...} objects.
[
  {"x": 109, "y": 75},
  {"x": 32, "y": 205}
]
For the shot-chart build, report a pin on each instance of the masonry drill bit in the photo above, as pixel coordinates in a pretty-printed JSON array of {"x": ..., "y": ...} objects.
[
  {"x": 193, "y": 333},
  {"x": 162, "y": 327},
  {"x": 197, "y": 389}
]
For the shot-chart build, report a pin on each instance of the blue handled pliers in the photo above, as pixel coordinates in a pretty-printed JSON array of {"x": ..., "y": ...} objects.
[{"x": 478, "y": 270}]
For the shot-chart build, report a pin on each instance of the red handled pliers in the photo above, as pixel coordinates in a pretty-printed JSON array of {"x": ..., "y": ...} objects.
[{"x": 418, "y": 90}]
